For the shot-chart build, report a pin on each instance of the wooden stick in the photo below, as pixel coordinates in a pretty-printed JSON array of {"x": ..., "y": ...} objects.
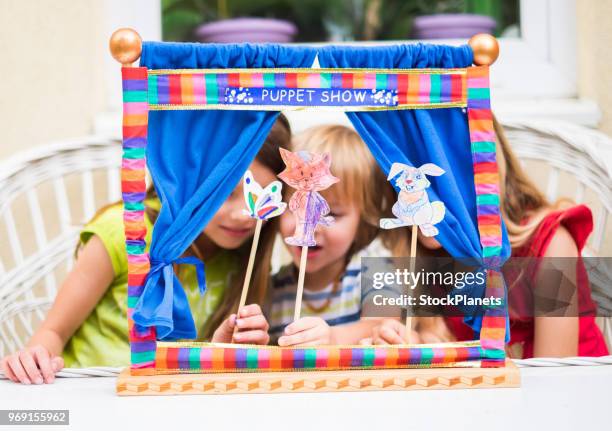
[
  {"x": 300, "y": 285},
  {"x": 249, "y": 271},
  {"x": 413, "y": 246}
]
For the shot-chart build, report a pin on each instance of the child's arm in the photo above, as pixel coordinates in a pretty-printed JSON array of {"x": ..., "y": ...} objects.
[
  {"x": 85, "y": 285},
  {"x": 558, "y": 336}
]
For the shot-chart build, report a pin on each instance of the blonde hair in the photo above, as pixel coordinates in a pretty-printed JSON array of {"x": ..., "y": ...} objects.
[{"x": 361, "y": 180}]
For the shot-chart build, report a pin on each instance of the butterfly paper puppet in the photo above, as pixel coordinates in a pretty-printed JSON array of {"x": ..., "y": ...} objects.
[
  {"x": 413, "y": 206},
  {"x": 308, "y": 173},
  {"x": 262, "y": 203}
]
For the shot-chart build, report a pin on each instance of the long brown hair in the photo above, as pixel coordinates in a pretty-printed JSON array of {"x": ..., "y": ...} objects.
[
  {"x": 269, "y": 156},
  {"x": 523, "y": 206}
]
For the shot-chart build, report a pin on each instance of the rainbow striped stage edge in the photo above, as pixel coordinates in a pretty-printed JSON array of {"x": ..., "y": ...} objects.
[
  {"x": 291, "y": 89},
  {"x": 191, "y": 357}
]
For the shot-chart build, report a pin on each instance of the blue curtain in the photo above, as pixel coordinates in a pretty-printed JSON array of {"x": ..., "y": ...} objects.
[
  {"x": 415, "y": 137},
  {"x": 196, "y": 158}
]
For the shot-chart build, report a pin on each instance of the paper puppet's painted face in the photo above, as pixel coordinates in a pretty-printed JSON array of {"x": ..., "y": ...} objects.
[
  {"x": 414, "y": 180},
  {"x": 307, "y": 171}
]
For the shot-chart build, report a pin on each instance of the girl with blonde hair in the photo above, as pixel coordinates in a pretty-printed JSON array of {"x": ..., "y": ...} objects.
[{"x": 331, "y": 306}]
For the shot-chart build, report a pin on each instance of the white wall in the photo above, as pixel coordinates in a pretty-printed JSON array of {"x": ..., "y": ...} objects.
[{"x": 57, "y": 73}]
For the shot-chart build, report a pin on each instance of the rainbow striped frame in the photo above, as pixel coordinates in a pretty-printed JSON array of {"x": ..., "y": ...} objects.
[{"x": 145, "y": 90}]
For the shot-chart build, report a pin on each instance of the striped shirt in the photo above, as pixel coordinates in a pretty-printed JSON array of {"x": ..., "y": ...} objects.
[{"x": 343, "y": 304}]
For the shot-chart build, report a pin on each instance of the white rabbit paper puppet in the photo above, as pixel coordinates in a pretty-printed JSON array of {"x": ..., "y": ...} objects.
[
  {"x": 262, "y": 203},
  {"x": 413, "y": 206}
]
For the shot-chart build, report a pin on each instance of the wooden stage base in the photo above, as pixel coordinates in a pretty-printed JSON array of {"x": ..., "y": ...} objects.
[{"x": 320, "y": 381}]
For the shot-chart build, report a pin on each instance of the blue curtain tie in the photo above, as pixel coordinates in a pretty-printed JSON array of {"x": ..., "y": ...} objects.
[
  {"x": 199, "y": 266},
  {"x": 157, "y": 308},
  {"x": 168, "y": 271}
]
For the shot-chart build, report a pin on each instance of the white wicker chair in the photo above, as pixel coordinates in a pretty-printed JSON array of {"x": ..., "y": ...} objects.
[
  {"x": 28, "y": 286},
  {"x": 64, "y": 179},
  {"x": 577, "y": 151}
]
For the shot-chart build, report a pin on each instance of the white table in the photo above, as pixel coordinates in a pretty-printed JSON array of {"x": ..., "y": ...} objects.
[{"x": 563, "y": 398}]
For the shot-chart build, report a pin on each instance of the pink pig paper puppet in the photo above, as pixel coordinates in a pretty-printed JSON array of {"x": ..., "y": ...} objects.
[
  {"x": 413, "y": 206},
  {"x": 308, "y": 173}
]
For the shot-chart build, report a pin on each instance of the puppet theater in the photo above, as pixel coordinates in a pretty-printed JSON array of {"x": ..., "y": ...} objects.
[{"x": 214, "y": 106}]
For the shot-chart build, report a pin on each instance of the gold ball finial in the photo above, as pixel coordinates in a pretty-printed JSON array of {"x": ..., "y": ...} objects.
[
  {"x": 125, "y": 46},
  {"x": 485, "y": 48}
]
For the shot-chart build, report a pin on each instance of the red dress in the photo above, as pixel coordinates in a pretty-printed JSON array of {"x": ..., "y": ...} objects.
[{"x": 578, "y": 221}]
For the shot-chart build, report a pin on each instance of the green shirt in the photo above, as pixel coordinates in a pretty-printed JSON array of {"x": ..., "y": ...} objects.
[{"x": 102, "y": 339}]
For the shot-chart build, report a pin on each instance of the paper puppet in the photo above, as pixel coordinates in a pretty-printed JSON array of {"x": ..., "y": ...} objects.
[
  {"x": 262, "y": 203},
  {"x": 413, "y": 207},
  {"x": 308, "y": 173}
]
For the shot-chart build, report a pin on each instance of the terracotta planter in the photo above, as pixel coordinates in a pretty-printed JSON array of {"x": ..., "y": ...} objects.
[
  {"x": 247, "y": 30},
  {"x": 451, "y": 26}
]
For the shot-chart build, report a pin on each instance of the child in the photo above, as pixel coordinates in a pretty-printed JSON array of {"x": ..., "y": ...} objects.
[
  {"x": 332, "y": 296},
  {"x": 88, "y": 320},
  {"x": 536, "y": 229}
]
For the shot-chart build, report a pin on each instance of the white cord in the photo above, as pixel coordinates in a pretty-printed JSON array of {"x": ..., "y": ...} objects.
[
  {"x": 580, "y": 361},
  {"x": 90, "y": 372},
  {"x": 84, "y": 372},
  {"x": 564, "y": 362}
]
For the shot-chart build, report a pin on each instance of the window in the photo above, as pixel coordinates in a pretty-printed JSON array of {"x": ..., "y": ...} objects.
[{"x": 534, "y": 76}]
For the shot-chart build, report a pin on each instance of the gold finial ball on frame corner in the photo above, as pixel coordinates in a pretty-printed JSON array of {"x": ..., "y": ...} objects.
[
  {"x": 485, "y": 48},
  {"x": 125, "y": 46}
]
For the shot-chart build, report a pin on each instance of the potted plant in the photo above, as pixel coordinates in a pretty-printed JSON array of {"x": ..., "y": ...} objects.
[
  {"x": 422, "y": 19},
  {"x": 349, "y": 20},
  {"x": 227, "y": 21},
  {"x": 453, "y": 19}
]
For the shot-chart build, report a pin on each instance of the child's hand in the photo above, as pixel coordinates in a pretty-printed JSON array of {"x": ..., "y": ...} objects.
[
  {"x": 31, "y": 365},
  {"x": 250, "y": 325},
  {"x": 307, "y": 331},
  {"x": 391, "y": 331}
]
